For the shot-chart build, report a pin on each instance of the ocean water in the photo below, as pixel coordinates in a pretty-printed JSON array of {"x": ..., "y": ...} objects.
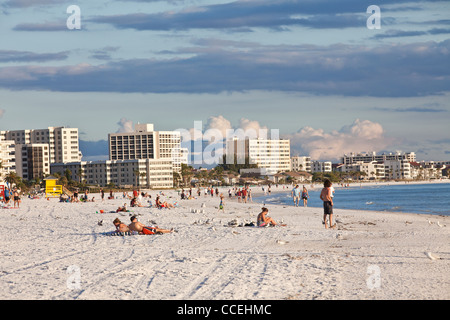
[{"x": 413, "y": 198}]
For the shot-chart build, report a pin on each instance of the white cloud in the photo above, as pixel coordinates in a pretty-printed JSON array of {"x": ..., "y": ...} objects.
[
  {"x": 125, "y": 126},
  {"x": 360, "y": 136},
  {"x": 219, "y": 123}
]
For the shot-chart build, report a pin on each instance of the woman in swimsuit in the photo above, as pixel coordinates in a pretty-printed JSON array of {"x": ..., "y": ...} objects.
[{"x": 263, "y": 220}]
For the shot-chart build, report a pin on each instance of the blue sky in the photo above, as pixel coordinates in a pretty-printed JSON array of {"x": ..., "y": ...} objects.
[{"x": 310, "y": 68}]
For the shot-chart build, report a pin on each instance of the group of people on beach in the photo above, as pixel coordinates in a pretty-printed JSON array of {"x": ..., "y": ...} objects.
[
  {"x": 326, "y": 195},
  {"x": 138, "y": 227},
  {"x": 296, "y": 196},
  {"x": 8, "y": 194}
]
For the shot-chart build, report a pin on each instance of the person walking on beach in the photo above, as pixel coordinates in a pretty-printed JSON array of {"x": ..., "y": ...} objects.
[
  {"x": 327, "y": 199},
  {"x": 305, "y": 196},
  {"x": 16, "y": 198},
  {"x": 7, "y": 195},
  {"x": 296, "y": 195},
  {"x": 222, "y": 205}
]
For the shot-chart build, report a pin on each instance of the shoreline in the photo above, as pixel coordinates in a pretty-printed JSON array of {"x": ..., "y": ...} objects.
[
  {"x": 318, "y": 187},
  {"x": 211, "y": 257}
]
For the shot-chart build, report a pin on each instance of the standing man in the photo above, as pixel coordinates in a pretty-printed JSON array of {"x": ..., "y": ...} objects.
[
  {"x": 327, "y": 199},
  {"x": 296, "y": 195}
]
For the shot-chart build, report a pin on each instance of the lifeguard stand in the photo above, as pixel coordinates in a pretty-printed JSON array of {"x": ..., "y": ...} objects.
[{"x": 51, "y": 188}]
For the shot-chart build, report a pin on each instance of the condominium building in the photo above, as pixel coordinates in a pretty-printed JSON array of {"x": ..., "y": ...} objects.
[
  {"x": 145, "y": 143},
  {"x": 32, "y": 160},
  {"x": 144, "y": 173},
  {"x": 397, "y": 169},
  {"x": 369, "y": 170},
  {"x": 369, "y": 157},
  {"x": 321, "y": 166},
  {"x": 7, "y": 157},
  {"x": 301, "y": 164},
  {"x": 63, "y": 142},
  {"x": 265, "y": 153}
]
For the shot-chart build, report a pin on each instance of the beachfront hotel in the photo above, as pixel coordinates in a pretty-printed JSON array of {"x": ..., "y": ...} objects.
[
  {"x": 32, "y": 160},
  {"x": 143, "y": 173},
  {"x": 146, "y": 143},
  {"x": 63, "y": 142},
  {"x": 301, "y": 163},
  {"x": 7, "y": 157},
  {"x": 270, "y": 154},
  {"x": 373, "y": 156}
]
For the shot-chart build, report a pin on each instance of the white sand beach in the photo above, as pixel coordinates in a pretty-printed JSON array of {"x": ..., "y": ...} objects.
[{"x": 53, "y": 250}]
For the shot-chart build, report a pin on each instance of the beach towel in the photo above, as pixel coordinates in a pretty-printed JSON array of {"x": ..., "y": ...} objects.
[{"x": 122, "y": 234}]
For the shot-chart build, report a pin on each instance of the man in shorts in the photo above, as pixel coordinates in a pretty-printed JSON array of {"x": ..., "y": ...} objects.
[
  {"x": 135, "y": 225},
  {"x": 296, "y": 195},
  {"x": 327, "y": 198}
]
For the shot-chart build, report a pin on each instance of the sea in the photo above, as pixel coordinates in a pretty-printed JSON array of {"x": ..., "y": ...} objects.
[{"x": 429, "y": 198}]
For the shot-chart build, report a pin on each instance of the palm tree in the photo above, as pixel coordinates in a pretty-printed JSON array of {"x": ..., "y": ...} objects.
[
  {"x": 186, "y": 173},
  {"x": 12, "y": 178},
  {"x": 136, "y": 176}
]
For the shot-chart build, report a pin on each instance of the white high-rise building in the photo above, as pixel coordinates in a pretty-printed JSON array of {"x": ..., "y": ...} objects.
[
  {"x": 63, "y": 142},
  {"x": 145, "y": 143},
  {"x": 7, "y": 157},
  {"x": 32, "y": 160},
  {"x": 321, "y": 166},
  {"x": 397, "y": 169},
  {"x": 143, "y": 173},
  {"x": 269, "y": 154},
  {"x": 369, "y": 157},
  {"x": 301, "y": 164}
]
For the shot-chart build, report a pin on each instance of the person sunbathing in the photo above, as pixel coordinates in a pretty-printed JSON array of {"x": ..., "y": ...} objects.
[
  {"x": 122, "y": 209},
  {"x": 135, "y": 225},
  {"x": 164, "y": 204},
  {"x": 120, "y": 226}
]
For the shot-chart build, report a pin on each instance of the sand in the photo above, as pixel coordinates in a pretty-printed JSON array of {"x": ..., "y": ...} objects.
[{"x": 52, "y": 250}]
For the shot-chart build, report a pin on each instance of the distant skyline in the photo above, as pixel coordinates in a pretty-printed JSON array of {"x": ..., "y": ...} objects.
[{"x": 310, "y": 68}]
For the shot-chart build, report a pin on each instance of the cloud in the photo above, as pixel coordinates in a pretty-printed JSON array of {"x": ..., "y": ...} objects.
[
  {"x": 390, "y": 70},
  {"x": 94, "y": 150},
  {"x": 360, "y": 136},
  {"x": 2, "y": 113},
  {"x": 31, "y": 3},
  {"x": 45, "y": 26},
  {"x": 218, "y": 123},
  {"x": 104, "y": 53},
  {"x": 27, "y": 56},
  {"x": 249, "y": 14},
  {"x": 125, "y": 125},
  {"x": 411, "y": 109}
]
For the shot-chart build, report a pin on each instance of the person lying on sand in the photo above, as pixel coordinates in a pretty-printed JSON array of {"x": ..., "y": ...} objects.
[
  {"x": 122, "y": 209},
  {"x": 120, "y": 227},
  {"x": 263, "y": 220},
  {"x": 135, "y": 225}
]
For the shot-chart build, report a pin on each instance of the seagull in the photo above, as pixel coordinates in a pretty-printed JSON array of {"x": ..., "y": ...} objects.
[
  {"x": 100, "y": 222},
  {"x": 432, "y": 256}
]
